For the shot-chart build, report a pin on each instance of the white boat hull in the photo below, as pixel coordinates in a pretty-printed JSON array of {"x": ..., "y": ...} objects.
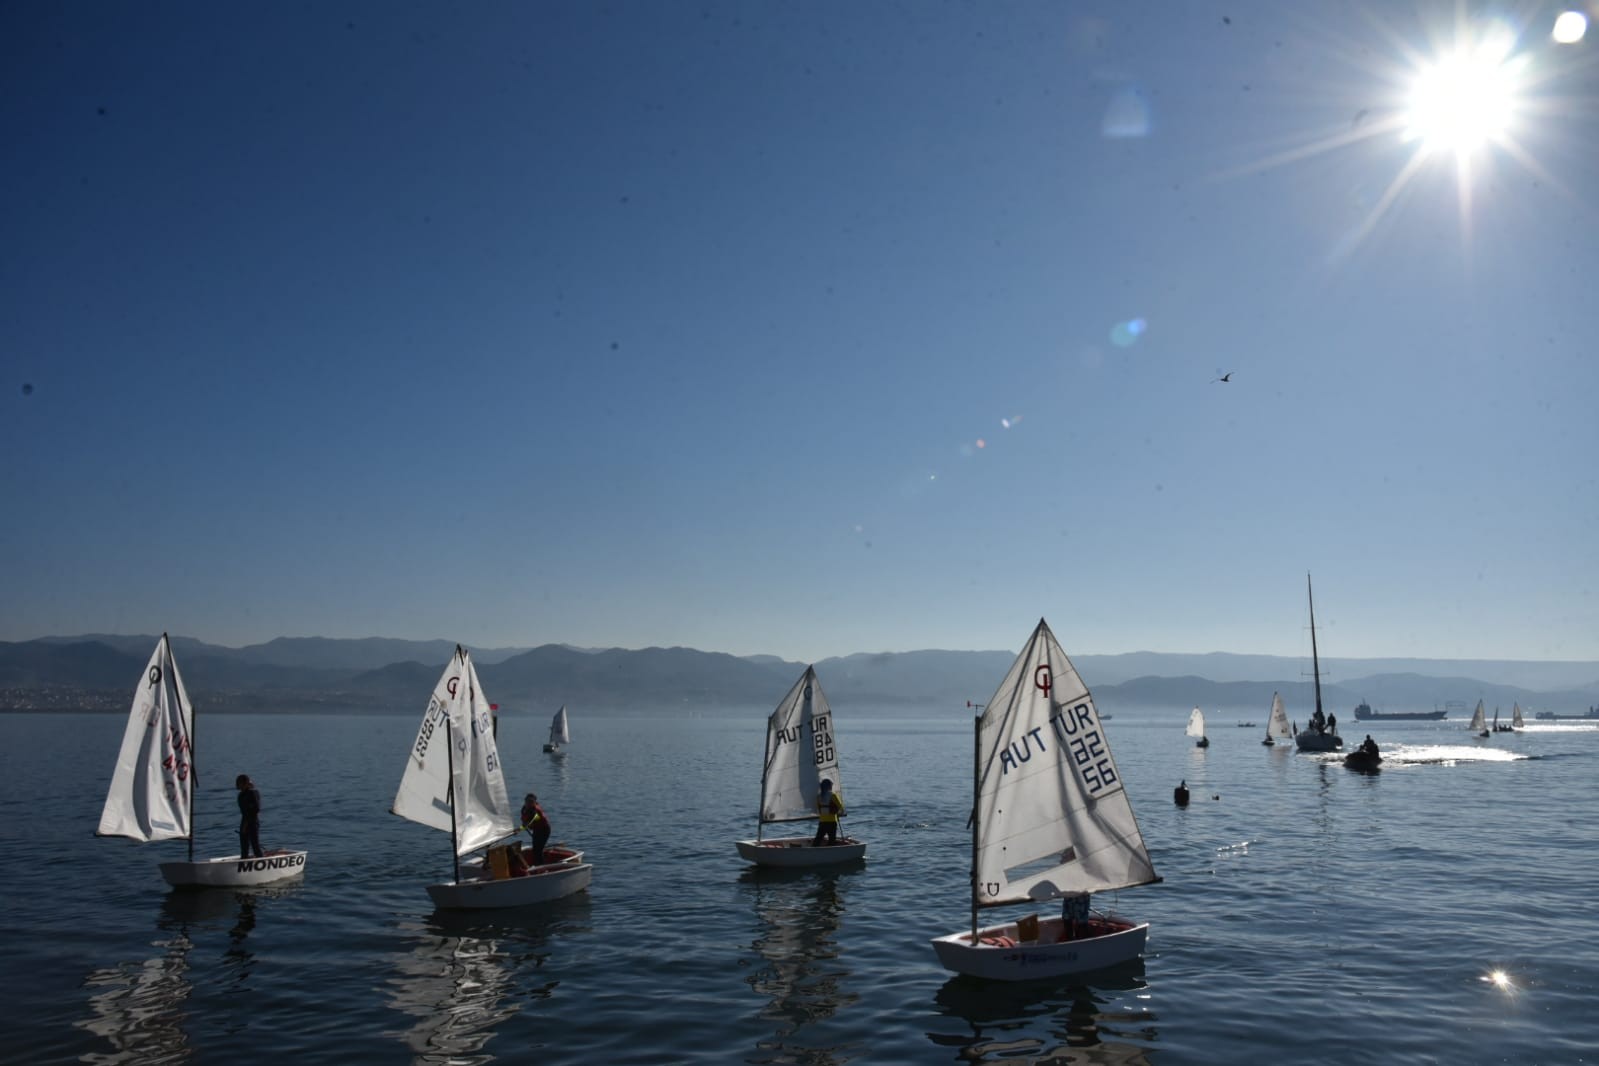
[
  {"x": 799, "y": 851},
  {"x": 231, "y": 871},
  {"x": 1310, "y": 740},
  {"x": 543, "y": 885},
  {"x": 1046, "y": 957}
]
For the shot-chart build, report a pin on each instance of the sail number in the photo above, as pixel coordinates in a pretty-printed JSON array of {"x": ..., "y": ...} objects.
[
  {"x": 821, "y": 730},
  {"x": 1076, "y": 729}
]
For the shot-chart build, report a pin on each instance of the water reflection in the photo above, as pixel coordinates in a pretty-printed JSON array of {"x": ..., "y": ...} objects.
[
  {"x": 802, "y": 974},
  {"x": 140, "y": 1008},
  {"x": 1031, "y": 1022},
  {"x": 472, "y": 971}
]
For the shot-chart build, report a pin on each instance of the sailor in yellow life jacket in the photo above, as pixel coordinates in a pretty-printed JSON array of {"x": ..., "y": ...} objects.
[{"x": 828, "y": 809}]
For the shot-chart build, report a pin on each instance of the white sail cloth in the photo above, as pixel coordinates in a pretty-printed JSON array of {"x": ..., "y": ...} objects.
[
  {"x": 1277, "y": 726},
  {"x": 559, "y": 734},
  {"x": 1196, "y": 723},
  {"x": 1479, "y": 720},
  {"x": 1052, "y": 816},
  {"x": 467, "y": 775},
  {"x": 800, "y": 752},
  {"x": 152, "y": 789}
]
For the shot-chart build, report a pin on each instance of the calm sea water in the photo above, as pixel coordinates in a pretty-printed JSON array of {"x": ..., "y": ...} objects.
[{"x": 1308, "y": 913}]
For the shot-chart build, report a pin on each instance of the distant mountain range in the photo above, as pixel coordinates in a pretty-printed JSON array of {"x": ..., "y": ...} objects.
[{"x": 98, "y": 672}]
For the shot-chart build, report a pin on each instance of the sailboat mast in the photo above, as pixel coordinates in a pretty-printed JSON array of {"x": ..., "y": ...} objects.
[
  {"x": 449, "y": 751},
  {"x": 760, "y": 803},
  {"x": 1315, "y": 663},
  {"x": 977, "y": 773}
]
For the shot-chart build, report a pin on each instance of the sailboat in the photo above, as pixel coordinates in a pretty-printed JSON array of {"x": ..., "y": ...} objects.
[
  {"x": 1196, "y": 728},
  {"x": 153, "y": 787},
  {"x": 800, "y": 753},
  {"x": 1314, "y": 738},
  {"x": 559, "y": 734},
  {"x": 1050, "y": 820},
  {"x": 454, "y": 780},
  {"x": 1479, "y": 722},
  {"x": 1277, "y": 727},
  {"x": 1517, "y": 723}
]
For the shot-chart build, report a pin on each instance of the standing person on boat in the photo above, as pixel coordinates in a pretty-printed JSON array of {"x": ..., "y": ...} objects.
[
  {"x": 537, "y": 823},
  {"x": 249, "y": 817},
  {"x": 1332, "y": 724},
  {"x": 828, "y": 810}
]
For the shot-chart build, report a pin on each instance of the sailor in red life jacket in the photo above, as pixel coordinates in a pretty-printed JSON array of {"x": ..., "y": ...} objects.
[
  {"x": 828, "y": 810},
  {"x": 535, "y": 822}
]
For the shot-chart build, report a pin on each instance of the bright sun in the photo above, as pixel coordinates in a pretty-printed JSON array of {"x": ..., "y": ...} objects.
[{"x": 1466, "y": 100}]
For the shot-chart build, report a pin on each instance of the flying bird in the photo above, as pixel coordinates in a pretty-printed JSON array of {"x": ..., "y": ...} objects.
[{"x": 1225, "y": 378}]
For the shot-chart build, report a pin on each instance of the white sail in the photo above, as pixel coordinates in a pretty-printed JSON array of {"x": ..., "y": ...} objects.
[
  {"x": 465, "y": 775},
  {"x": 1277, "y": 726},
  {"x": 152, "y": 790},
  {"x": 1196, "y": 723},
  {"x": 1479, "y": 720},
  {"x": 1516, "y": 721},
  {"x": 558, "y": 730},
  {"x": 800, "y": 752},
  {"x": 1052, "y": 816}
]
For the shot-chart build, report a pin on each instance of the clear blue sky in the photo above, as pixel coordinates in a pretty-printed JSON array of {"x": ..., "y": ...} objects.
[{"x": 802, "y": 329}]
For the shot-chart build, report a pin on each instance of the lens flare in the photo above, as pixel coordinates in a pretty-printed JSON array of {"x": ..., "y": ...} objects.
[{"x": 1570, "y": 27}]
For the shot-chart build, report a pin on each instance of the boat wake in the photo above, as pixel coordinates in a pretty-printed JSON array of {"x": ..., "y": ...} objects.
[{"x": 1445, "y": 755}]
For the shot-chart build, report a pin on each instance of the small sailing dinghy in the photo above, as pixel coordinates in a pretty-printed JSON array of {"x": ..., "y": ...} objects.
[
  {"x": 800, "y": 754},
  {"x": 1050, "y": 820},
  {"x": 1517, "y": 723},
  {"x": 1479, "y": 721},
  {"x": 454, "y": 781},
  {"x": 1316, "y": 736},
  {"x": 559, "y": 734},
  {"x": 1196, "y": 728},
  {"x": 1277, "y": 727},
  {"x": 153, "y": 788}
]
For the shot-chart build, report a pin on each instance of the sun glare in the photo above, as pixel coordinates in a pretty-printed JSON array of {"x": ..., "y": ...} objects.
[{"x": 1465, "y": 100}]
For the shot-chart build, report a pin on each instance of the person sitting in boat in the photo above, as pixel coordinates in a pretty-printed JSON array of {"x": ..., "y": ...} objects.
[
  {"x": 1074, "y": 914},
  {"x": 537, "y": 823},
  {"x": 1179, "y": 795},
  {"x": 1318, "y": 721},
  {"x": 828, "y": 810},
  {"x": 1368, "y": 745}
]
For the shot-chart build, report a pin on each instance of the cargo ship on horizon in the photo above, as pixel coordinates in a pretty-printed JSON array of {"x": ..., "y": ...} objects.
[{"x": 1364, "y": 713}]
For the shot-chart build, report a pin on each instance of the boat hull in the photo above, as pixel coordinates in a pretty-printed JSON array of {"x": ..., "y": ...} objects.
[
  {"x": 1363, "y": 761},
  {"x": 799, "y": 851},
  {"x": 553, "y": 856},
  {"x": 1046, "y": 957},
  {"x": 1310, "y": 740},
  {"x": 543, "y": 885},
  {"x": 232, "y": 871}
]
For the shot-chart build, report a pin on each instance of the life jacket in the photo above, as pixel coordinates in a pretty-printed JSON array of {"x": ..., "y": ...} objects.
[
  {"x": 828, "y": 808},
  {"x": 532, "y": 815}
]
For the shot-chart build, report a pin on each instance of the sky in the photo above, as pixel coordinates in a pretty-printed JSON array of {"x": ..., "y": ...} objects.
[{"x": 803, "y": 329}]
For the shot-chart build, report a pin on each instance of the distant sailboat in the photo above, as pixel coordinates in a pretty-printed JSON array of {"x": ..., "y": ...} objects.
[
  {"x": 559, "y": 734},
  {"x": 1313, "y": 738},
  {"x": 152, "y": 790},
  {"x": 1196, "y": 728},
  {"x": 1277, "y": 727},
  {"x": 1479, "y": 722},
  {"x": 1516, "y": 721}
]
